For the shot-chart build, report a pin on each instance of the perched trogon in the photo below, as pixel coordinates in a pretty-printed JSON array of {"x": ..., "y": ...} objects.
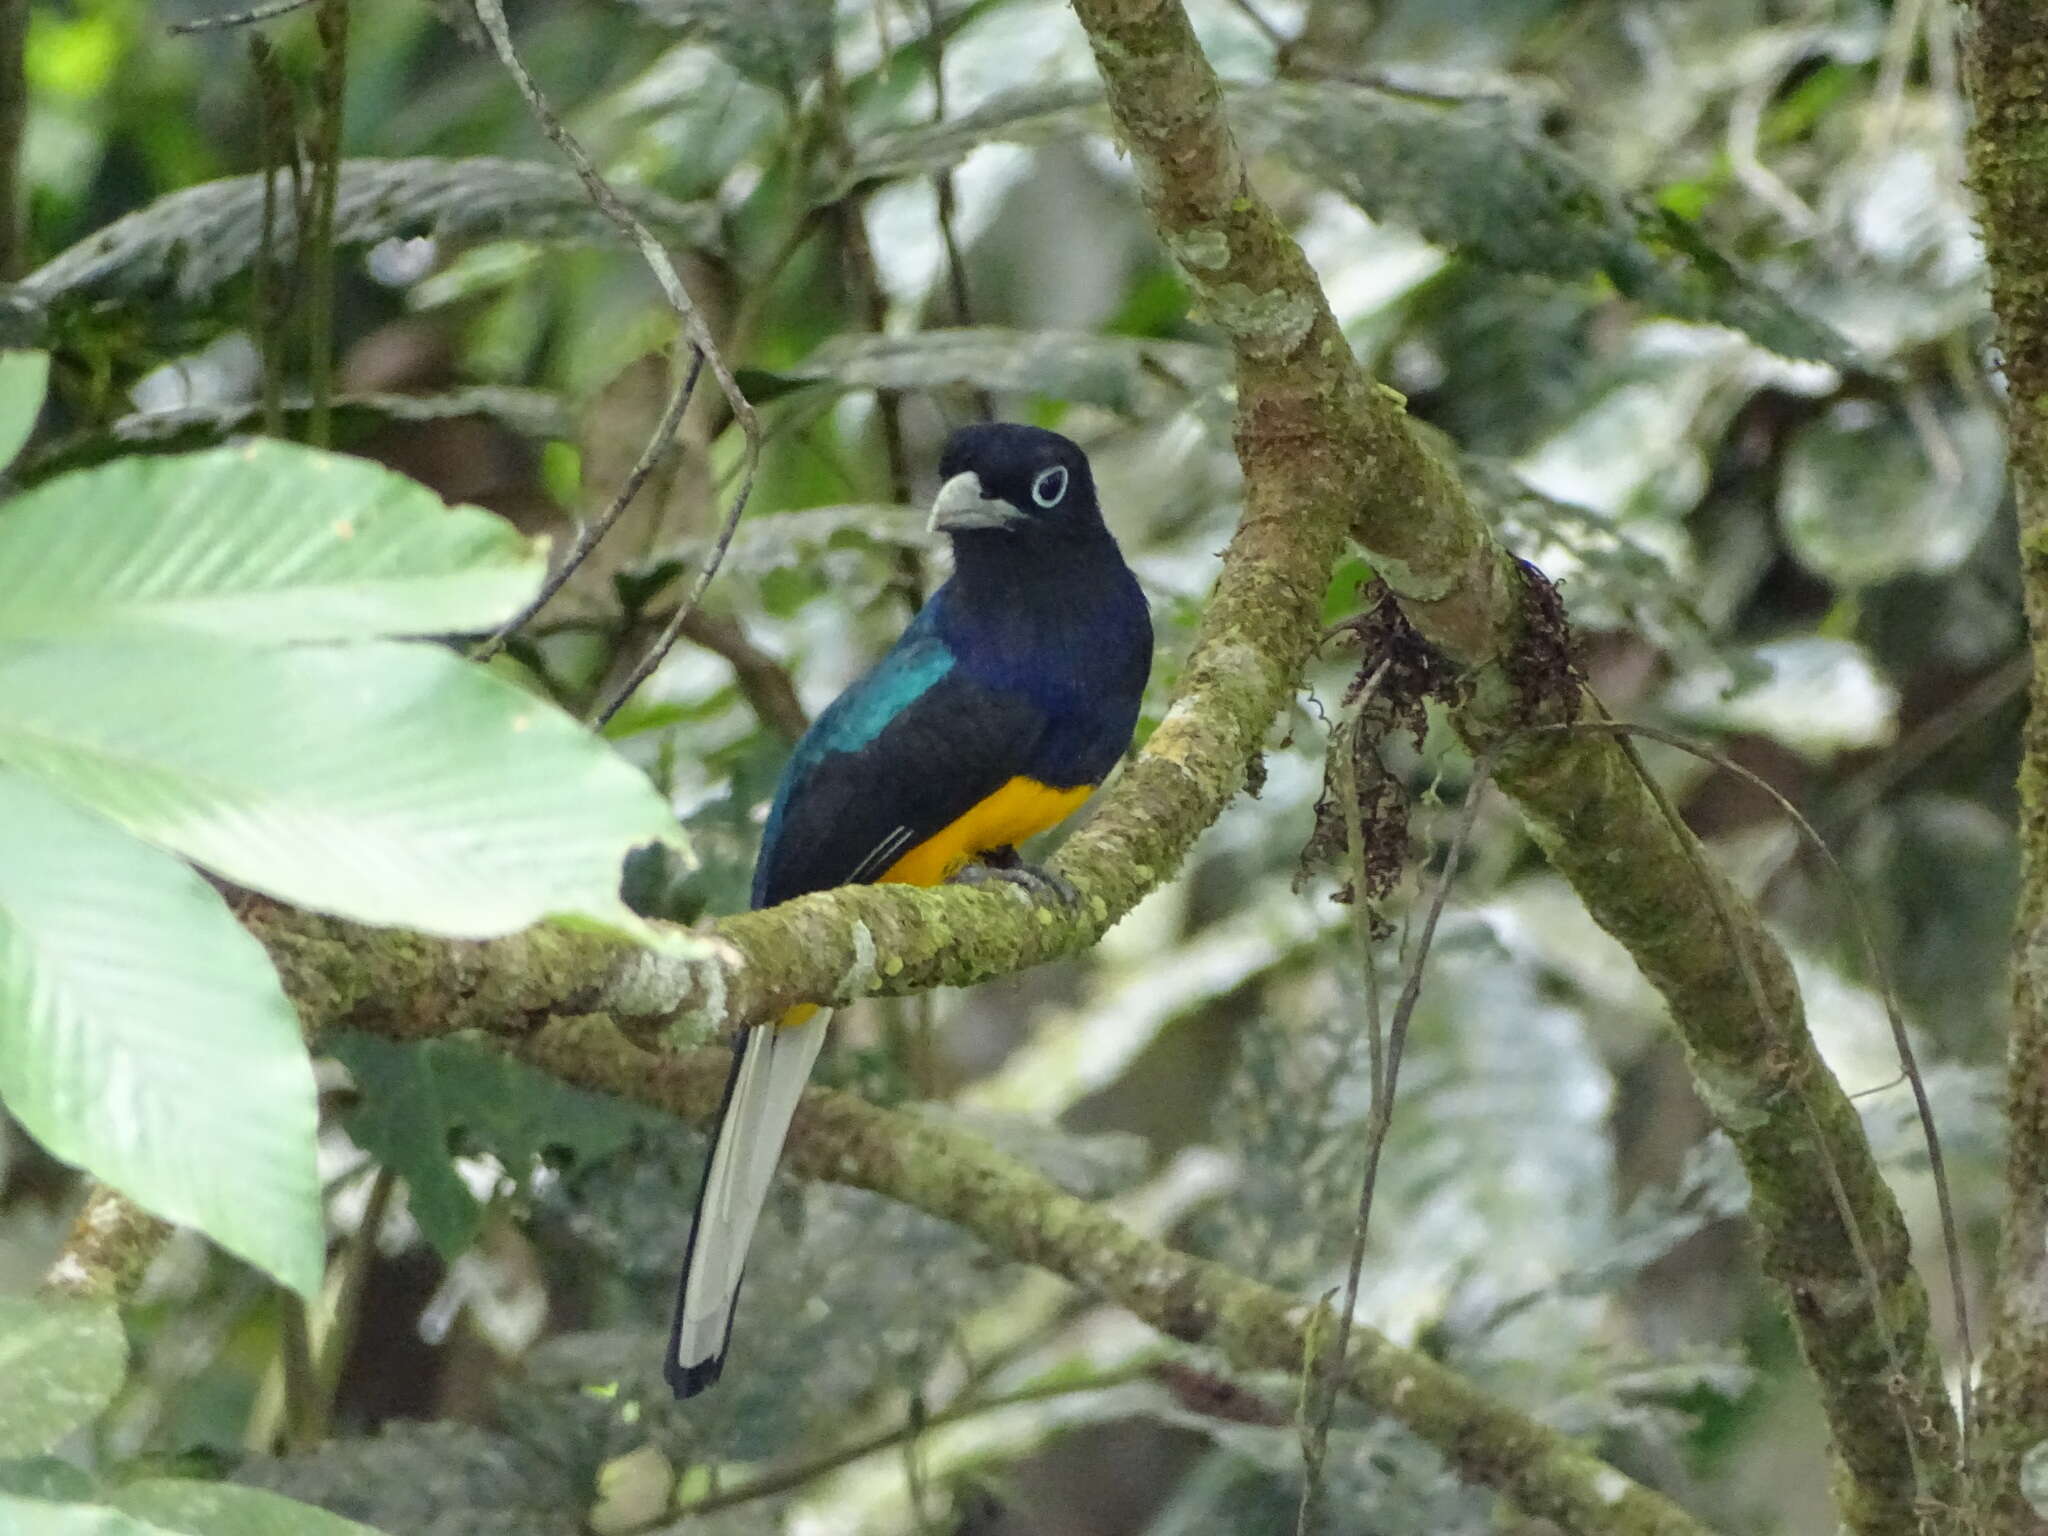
[{"x": 1005, "y": 702}]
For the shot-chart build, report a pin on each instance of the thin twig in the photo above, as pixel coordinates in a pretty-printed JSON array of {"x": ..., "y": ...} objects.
[
  {"x": 773, "y": 1483},
  {"x": 331, "y": 21},
  {"x": 1379, "y": 1121},
  {"x": 942, "y": 188},
  {"x": 1319, "y": 1402},
  {"x": 352, "y": 1266},
  {"x": 13, "y": 128},
  {"x": 305, "y": 1410},
  {"x": 650, "y": 659},
  {"x": 1909, "y": 1063},
  {"x": 273, "y": 133},
  {"x": 588, "y": 537},
  {"x": 492, "y": 14},
  {"x": 859, "y": 255},
  {"x": 228, "y": 19}
]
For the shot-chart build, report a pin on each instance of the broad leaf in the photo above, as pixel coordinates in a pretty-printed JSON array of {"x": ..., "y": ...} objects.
[
  {"x": 532, "y": 413},
  {"x": 23, "y": 377},
  {"x": 62, "y": 1360},
  {"x": 1124, "y": 373},
  {"x": 781, "y": 44},
  {"x": 1462, "y": 174},
  {"x": 264, "y": 540},
  {"x": 185, "y": 245},
  {"x": 144, "y": 1036},
  {"x": 422, "y": 1102},
  {"x": 226, "y": 1509},
  {"x": 384, "y": 782}
]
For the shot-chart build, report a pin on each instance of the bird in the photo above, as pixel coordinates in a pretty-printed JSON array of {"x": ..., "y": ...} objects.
[{"x": 1001, "y": 707}]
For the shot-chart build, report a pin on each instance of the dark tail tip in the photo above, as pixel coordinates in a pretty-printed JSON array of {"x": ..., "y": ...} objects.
[{"x": 689, "y": 1380}]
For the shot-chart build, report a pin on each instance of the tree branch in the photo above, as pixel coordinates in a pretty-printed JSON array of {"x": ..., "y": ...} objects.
[
  {"x": 1020, "y": 1214},
  {"x": 110, "y": 1245},
  {"x": 1315, "y": 433},
  {"x": 2007, "y": 65}
]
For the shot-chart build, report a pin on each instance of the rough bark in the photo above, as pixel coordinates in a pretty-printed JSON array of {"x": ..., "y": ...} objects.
[
  {"x": 1312, "y": 424},
  {"x": 2008, "y": 82}
]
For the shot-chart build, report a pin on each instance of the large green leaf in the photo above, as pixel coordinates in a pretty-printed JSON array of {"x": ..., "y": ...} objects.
[
  {"x": 1466, "y": 175},
  {"x": 226, "y": 1509},
  {"x": 422, "y": 1102},
  {"x": 23, "y": 377},
  {"x": 185, "y": 245},
  {"x": 384, "y": 782},
  {"x": 265, "y": 540},
  {"x": 144, "y": 1036},
  {"x": 62, "y": 1360}
]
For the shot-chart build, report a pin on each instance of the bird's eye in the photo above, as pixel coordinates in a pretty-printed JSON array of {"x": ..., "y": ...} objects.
[{"x": 1050, "y": 488}]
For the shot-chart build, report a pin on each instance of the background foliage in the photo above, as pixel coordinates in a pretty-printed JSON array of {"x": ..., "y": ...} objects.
[{"x": 1693, "y": 297}]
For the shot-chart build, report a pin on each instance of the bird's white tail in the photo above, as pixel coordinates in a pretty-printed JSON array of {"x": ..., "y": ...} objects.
[{"x": 768, "y": 1074}]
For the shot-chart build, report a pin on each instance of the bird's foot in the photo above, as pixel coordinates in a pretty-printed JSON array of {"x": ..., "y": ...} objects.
[{"x": 1004, "y": 866}]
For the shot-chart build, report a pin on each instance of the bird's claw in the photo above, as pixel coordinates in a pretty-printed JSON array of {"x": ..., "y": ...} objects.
[{"x": 1029, "y": 878}]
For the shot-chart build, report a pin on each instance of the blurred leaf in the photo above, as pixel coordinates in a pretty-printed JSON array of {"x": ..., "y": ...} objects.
[
  {"x": 1865, "y": 498},
  {"x": 62, "y": 1360},
  {"x": 441, "y": 1479},
  {"x": 1465, "y": 175},
  {"x": 44, "y": 1477},
  {"x": 266, "y": 540},
  {"x": 531, "y": 413},
  {"x": 1076, "y": 1051},
  {"x": 188, "y": 243},
  {"x": 144, "y": 1036},
  {"x": 223, "y": 1509},
  {"x": 36, "y": 1517},
  {"x": 1036, "y": 114},
  {"x": 781, "y": 44},
  {"x": 1123, "y": 373},
  {"x": 822, "y": 1322},
  {"x": 23, "y": 377},
  {"x": 1813, "y": 694},
  {"x": 423, "y": 1101},
  {"x": 384, "y": 782},
  {"x": 785, "y": 540}
]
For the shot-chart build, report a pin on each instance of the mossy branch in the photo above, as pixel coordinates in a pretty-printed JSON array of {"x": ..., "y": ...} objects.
[
  {"x": 1315, "y": 432},
  {"x": 2008, "y": 82}
]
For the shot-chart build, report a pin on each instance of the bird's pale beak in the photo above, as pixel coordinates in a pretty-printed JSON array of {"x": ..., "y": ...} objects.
[{"x": 962, "y": 504}]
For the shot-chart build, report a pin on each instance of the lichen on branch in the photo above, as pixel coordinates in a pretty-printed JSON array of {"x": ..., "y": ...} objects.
[
  {"x": 1314, "y": 431},
  {"x": 2008, "y": 82}
]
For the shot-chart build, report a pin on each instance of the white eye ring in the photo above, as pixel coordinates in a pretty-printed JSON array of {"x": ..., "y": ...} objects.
[{"x": 1050, "y": 488}]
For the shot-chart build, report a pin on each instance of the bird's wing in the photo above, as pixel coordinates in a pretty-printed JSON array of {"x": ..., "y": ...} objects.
[{"x": 902, "y": 754}]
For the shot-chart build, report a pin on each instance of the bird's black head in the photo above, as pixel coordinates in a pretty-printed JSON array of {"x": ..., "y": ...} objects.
[{"x": 1003, "y": 482}]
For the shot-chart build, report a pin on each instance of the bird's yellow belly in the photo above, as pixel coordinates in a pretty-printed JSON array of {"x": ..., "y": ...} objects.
[{"x": 1020, "y": 810}]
